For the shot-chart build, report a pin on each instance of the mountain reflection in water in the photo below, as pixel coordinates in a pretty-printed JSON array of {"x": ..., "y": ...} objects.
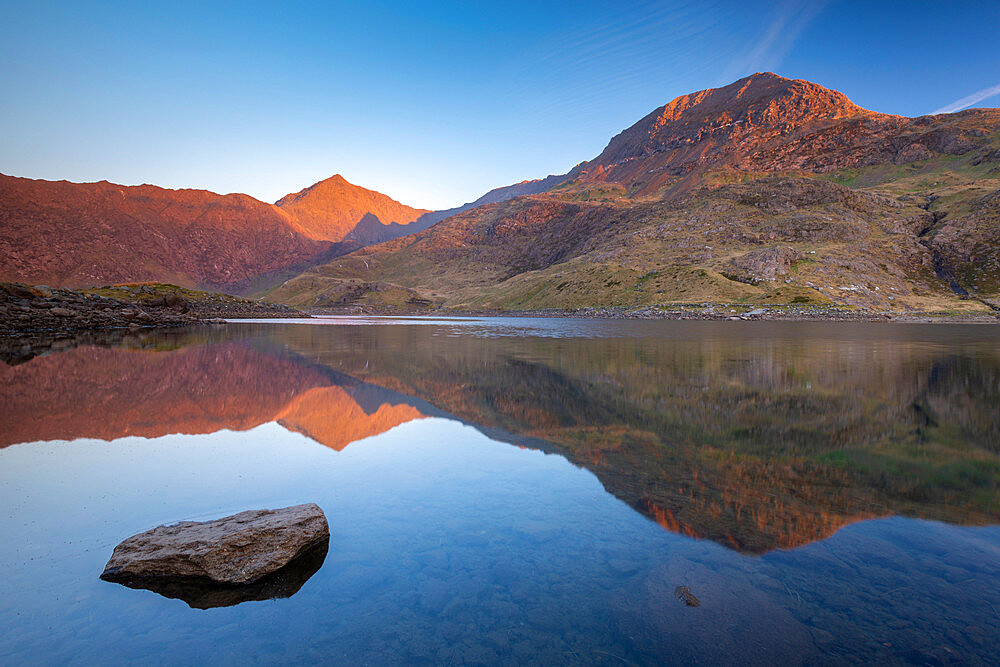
[{"x": 758, "y": 438}]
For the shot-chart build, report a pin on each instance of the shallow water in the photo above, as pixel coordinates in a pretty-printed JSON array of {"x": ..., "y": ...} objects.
[{"x": 520, "y": 490}]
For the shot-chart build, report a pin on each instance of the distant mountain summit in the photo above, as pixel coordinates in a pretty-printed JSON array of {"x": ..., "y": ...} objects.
[
  {"x": 746, "y": 112},
  {"x": 495, "y": 196},
  {"x": 335, "y": 210}
]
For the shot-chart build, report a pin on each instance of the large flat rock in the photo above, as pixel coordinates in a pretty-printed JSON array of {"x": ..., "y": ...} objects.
[
  {"x": 234, "y": 550},
  {"x": 202, "y": 593}
]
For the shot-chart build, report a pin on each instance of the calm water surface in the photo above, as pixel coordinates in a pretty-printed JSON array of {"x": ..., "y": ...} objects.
[{"x": 510, "y": 491}]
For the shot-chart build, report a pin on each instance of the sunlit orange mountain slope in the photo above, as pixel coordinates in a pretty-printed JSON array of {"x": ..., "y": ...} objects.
[
  {"x": 335, "y": 210},
  {"x": 86, "y": 234},
  {"x": 80, "y": 234}
]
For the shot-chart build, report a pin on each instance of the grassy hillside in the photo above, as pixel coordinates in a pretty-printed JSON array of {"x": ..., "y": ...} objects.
[{"x": 915, "y": 237}]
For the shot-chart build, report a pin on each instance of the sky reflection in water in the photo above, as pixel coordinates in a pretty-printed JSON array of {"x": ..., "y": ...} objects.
[{"x": 531, "y": 490}]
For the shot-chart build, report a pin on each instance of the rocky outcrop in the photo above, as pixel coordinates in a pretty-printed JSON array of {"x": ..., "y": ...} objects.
[
  {"x": 204, "y": 305},
  {"x": 40, "y": 309},
  {"x": 34, "y": 309},
  {"x": 235, "y": 550},
  {"x": 763, "y": 265},
  {"x": 965, "y": 245}
]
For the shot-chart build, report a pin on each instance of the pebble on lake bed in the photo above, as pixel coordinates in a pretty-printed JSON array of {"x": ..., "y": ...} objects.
[{"x": 684, "y": 594}]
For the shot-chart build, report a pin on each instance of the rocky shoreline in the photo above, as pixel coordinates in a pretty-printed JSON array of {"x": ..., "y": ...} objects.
[
  {"x": 707, "y": 312},
  {"x": 49, "y": 313},
  {"x": 26, "y": 310},
  {"x": 727, "y": 312}
]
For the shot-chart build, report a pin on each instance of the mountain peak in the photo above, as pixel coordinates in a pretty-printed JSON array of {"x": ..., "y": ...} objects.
[
  {"x": 763, "y": 97},
  {"x": 763, "y": 100},
  {"x": 332, "y": 208},
  {"x": 330, "y": 184},
  {"x": 725, "y": 125}
]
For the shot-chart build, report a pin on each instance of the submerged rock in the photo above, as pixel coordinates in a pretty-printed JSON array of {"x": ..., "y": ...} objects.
[
  {"x": 235, "y": 550},
  {"x": 684, "y": 594}
]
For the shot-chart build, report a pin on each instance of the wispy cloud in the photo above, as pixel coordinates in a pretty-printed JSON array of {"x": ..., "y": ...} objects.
[
  {"x": 791, "y": 18},
  {"x": 642, "y": 44},
  {"x": 969, "y": 100}
]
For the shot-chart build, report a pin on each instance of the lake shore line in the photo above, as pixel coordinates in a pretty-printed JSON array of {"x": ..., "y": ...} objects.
[
  {"x": 37, "y": 316},
  {"x": 707, "y": 312}
]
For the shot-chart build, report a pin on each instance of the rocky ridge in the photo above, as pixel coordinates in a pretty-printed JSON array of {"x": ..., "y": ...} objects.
[
  {"x": 766, "y": 123},
  {"x": 84, "y": 234}
]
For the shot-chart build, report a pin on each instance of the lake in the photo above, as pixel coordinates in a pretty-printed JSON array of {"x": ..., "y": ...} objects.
[{"x": 518, "y": 490}]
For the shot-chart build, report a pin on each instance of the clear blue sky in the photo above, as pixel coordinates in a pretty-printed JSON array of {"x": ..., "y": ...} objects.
[{"x": 431, "y": 102}]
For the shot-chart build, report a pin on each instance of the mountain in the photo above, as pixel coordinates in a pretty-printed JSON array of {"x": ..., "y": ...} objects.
[
  {"x": 335, "y": 210},
  {"x": 765, "y": 122},
  {"x": 86, "y": 234},
  {"x": 333, "y": 417},
  {"x": 79, "y": 234},
  {"x": 768, "y": 190}
]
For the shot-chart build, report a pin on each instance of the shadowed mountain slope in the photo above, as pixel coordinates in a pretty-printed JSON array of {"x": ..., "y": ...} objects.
[{"x": 495, "y": 196}]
